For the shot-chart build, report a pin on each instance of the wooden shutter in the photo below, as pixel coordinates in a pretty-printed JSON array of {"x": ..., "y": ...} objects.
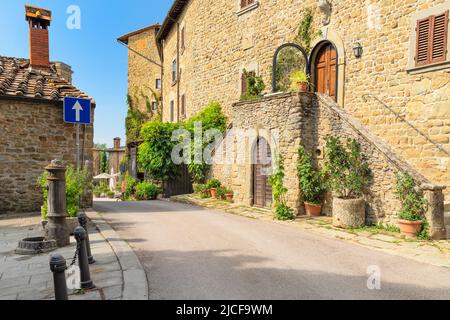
[
  {"x": 243, "y": 3},
  {"x": 431, "y": 43},
  {"x": 243, "y": 83},
  {"x": 439, "y": 39},
  {"x": 423, "y": 41},
  {"x": 183, "y": 106}
]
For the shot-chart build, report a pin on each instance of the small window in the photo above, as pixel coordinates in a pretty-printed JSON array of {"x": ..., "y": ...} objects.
[
  {"x": 183, "y": 106},
  {"x": 154, "y": 105},
  {"x": 183, "y": 38},
  {"x": 246, "y": 3},
  {"x": 431, "y": 42},
  {"x": 158, "y": 84},
  {"x": 172, "y": 107},
  {"x": 174, "y": 71}
]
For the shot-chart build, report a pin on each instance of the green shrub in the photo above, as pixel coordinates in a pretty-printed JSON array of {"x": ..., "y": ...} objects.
[
  {"x": 213, "y": 183},
  {"x": 255, "y": 86},
  {"x": 311, "y": 182},
  {"x": 221, "y": 192},
  {"x": 110, "y": 194},
  {"x": 347, "y": 172},
  {"x": 77, "y": 184},
  {"x": 147, "y": 191},
  {"x": 130, "y": 186},
  {"x": 154, "y": 154},
  {"x": 282, "y": 210},
  {"x": 101, "y": 188},
  {"x": 211, "y": 117},
  {"x": 412, "y": 199}
]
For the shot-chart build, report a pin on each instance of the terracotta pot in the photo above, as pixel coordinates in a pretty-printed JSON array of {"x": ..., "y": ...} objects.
[
  {"x": 229, "y": 197},
  {"x": 302, "y": 86},
  {"x": 213, "y": 192},
  {"x": 313, "y": 210},
  {"x": 410, "y": 228}
]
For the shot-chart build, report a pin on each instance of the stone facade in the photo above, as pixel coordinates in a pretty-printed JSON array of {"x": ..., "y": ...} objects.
[
  {"x": 288, "y": 120},
  {"x": 142, "y": 73},
  {"x": 33, "y": 134},
  {"x": 221, "y": 40}
]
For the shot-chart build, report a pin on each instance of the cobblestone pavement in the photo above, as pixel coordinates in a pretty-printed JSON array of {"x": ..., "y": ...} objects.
[
  {"x": 29, "y": 277},
  {"x": 436, "y": 253}
]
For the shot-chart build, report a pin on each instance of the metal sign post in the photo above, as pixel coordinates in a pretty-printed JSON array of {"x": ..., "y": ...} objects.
[{"x": 78, "y": 146}]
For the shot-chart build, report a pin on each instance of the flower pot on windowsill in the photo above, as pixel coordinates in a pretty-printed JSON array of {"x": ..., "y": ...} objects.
[
  {"x": 303, "y": 86},
  {"x": 410, "y": 228},
  {"x": 229, "y": 197},
  {"x": 213, "y": 192},
  {"x": 313, "y": 210}
]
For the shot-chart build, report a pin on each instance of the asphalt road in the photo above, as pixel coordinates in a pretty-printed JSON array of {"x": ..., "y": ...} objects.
[{"x": 193, "y": 253}]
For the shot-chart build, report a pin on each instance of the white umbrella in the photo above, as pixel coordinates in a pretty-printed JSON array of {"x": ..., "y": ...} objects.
[{"x": 103, "y": 176}]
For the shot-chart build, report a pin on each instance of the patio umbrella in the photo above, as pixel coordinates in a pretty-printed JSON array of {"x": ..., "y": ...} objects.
[{"x": 103, "y": 176}]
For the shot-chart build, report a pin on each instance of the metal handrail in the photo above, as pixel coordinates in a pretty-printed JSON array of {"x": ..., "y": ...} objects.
[{"x": 437, "y": 145}]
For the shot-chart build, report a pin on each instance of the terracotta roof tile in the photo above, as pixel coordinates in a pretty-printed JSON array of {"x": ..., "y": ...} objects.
[{"x": 18, "y": 80}]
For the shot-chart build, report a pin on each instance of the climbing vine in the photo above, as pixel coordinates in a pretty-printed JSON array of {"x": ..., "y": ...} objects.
[
  {"x": 282, "y": 210},
  {"x": 306, "y": 31}
]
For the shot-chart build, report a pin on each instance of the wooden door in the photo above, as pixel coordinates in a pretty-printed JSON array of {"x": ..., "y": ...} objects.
[
  {"x": 325, "y": 77},
  {"x": 262, "y": 191}
]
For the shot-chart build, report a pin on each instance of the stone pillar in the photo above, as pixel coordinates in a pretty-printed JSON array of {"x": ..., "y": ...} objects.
[
  {"x": 56, "y": 228},
  {"x": 435, "y": 210}
]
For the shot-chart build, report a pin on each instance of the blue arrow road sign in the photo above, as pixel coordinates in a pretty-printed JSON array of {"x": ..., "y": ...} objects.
[{"x": 77, "y": 110}]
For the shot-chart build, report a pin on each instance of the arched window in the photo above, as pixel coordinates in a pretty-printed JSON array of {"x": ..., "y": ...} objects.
[{"x": 288, "y": 58}]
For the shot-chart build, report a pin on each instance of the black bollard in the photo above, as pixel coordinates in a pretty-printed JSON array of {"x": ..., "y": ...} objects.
[
  {"x": 82, "y": 220},
  {"x": 58, "y": 266},
  {"x": 85, "y": 275}
]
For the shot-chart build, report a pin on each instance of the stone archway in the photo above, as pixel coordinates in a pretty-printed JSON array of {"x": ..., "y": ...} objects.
[{"x": 328, "y": 35}]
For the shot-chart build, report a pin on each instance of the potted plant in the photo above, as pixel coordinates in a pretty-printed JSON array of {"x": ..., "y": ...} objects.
[
  {"x": 413, "y": 205},
  {"x": 229, "y": 195},
  {"x": 311, "y": 184},
  {"x": 347, "y": 175},
  {"x": 212, "y": 186},
  {"x": 299, "y": 81},
  {"x": 221, "y": 192}
]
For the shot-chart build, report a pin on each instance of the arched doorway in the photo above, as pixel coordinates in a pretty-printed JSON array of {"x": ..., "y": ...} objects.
[
  {"x": 262, "y": 165},
  {"x": 325, "y": 69}
]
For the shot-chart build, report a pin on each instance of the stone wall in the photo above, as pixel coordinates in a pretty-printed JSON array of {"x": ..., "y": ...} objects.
[
  {"x": 33, "y": 134},
  {"x": 142, "y": 73},
  {"x": 221, "y": 41},
  {"x": 308, "y": 119}
]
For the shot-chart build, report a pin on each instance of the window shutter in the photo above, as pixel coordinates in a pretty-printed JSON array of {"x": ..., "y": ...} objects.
[
  {"x": 243, "y": 3},
  {"x": 423, "y": 41},
  {"x": 439, "y": 39}
]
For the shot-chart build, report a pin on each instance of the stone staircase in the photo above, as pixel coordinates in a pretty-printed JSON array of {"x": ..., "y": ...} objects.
[{"x": 447, "y": 218}]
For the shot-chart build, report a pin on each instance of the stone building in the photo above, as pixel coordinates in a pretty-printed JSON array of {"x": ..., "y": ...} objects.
[
  {"x": 115, "y": 155},
  {"x": 31, "y": 118},
  {"x": 144, "y": 80},
  {"x": 380, "y": 71}
]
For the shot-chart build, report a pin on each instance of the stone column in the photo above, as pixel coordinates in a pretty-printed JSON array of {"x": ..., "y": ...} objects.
[
  {"x": 57, "y": 228},
  {"x": 435, "y": 210}
]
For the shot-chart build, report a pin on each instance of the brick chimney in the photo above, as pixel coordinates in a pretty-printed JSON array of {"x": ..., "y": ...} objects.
[
  {"x": 39, "y": 20},
  {"x": 116, "y": 143}
]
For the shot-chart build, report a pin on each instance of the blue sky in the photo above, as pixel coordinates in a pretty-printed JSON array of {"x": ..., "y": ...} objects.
[{"x": 99, "y": 62}]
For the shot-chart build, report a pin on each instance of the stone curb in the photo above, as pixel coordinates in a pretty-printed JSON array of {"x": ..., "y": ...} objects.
[{"x": 135, "y": 285}]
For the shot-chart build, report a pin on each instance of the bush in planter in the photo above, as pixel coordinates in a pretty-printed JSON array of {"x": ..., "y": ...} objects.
[
  {"x": 130, "y": 186},
  {"x": 77, "y": 184},
  {"x": 347, "y": 175},
  {"x": 147, "y": 191},
  {"x": 311, "y": 182},
  {"x": 221, "y": 192},
  {"x": 282, "y": 210},
  {"x": 412, "y": 213}
]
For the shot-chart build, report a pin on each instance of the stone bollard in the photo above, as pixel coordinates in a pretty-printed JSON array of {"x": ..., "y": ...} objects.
[
  {"x": 56, "y": 228},
  {"x": 85, "y": 275},
  {"x": 58, "y": 266},
  {"x": 82, "y": 220}
]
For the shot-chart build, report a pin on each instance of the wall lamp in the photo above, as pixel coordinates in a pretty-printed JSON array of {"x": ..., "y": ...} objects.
[{"x": 358, "y": 50}]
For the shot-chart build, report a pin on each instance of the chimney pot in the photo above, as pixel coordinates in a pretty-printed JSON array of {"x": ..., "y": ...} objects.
[
  {"x": 116, "y": 143},
  {"x": 39, "y": 20}
]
